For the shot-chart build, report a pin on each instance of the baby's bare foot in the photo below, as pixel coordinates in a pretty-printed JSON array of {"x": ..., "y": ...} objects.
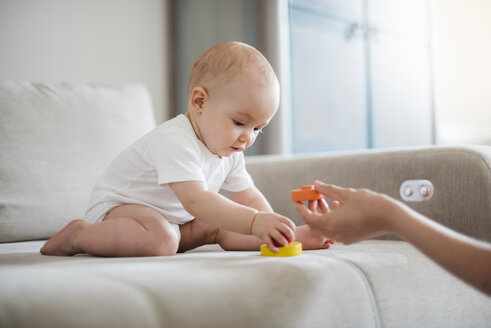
[
  {"x": 61, "y": 244},
  {"x": 311, "y": 239}
]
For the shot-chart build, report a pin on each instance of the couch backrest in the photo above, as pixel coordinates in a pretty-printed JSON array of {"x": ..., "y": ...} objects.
[
  {"x": 461, "y": 177},
  {"x": 55, "y": 141}
]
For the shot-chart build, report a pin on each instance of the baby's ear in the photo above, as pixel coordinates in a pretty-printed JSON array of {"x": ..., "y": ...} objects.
[{"x": 199, "y": 97}]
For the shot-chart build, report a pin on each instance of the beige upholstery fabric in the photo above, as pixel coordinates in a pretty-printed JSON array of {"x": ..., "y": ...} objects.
[
  {"x": 411, "y": 291},
  {"x": 461, "y": 176},
  {"x": 207, "y": 289},
  {"x": 55, "y": 141},
  {"x": 371, "y": 284}
]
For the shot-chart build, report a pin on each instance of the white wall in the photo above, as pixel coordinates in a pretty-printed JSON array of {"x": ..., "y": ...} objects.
[
  {"x": 106, "y": 41},
  {"x": 462, "y": 39}
]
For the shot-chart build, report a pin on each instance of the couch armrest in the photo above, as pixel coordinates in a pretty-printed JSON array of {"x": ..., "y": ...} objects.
[{"x": 461, "y": 176}]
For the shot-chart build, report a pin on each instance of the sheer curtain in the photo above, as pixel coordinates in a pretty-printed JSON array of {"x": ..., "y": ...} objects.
[{"x": 273, "y": 42}]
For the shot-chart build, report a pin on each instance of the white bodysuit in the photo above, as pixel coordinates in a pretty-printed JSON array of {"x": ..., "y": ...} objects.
[{"x": 170, "y": 153}]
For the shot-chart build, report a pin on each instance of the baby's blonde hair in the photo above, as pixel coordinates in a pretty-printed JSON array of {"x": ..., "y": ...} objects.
[{"x": 224, "y": 61}]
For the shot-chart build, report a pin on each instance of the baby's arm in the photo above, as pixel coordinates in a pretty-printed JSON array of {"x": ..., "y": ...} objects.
[
  {"x": 221, "y": 212},
  {"x": 252, "y": 197}
]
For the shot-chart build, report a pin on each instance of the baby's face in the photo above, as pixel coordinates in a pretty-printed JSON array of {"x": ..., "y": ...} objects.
[{"x": 235, "y": 114}]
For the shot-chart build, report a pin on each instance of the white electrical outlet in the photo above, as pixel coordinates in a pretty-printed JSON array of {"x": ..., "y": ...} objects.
[{"x": 416, "y": 190}]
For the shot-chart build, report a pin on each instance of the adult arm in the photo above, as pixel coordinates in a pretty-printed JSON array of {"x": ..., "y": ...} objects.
[{"x": 361, "y": 214}]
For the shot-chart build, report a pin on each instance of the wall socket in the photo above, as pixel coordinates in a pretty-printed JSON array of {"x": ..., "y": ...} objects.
[{"x": 416, "y": 190}]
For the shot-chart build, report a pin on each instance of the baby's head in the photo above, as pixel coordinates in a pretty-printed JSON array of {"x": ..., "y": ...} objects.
[{"x": 233, "y": 93}]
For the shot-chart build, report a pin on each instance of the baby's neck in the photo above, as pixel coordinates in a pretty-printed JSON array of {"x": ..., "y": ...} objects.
[
  {"x": 197, "y": 132},
  {"x": 194, "y": 125}
]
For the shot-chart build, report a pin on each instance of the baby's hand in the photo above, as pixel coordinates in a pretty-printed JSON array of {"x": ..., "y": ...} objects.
[{"x": 274, "y": 229}]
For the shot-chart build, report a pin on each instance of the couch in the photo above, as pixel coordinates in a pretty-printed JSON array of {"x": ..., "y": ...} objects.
[{"x": 56, "y": 138}]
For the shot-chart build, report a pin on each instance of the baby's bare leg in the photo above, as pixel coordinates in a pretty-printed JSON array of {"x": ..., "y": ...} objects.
[
  {"x": 127, "y": 230},
  {"x": 196, "y": 233},
  {"x": 311, "y": 239},
  {"x": 232, "y": 241}
]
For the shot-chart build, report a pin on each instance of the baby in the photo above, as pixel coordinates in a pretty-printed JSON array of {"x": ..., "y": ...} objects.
[{"x": 160, "y": 195}]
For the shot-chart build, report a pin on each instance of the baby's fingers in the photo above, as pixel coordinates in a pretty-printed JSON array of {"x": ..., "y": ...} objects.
[
  {"x": 270, "y": 244},
  {"x": 286, "y": 232},
  {"x": 288, "y": 222},
  {"x": 280, "y": 238}
]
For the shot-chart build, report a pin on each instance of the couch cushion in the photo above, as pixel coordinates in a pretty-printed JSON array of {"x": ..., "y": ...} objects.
[
  {"x": 196, "y": 289},
  {"x": 370, "y": 284},
  {"x": 412, "y": 291},
  {"x": 55, "y": 140}
]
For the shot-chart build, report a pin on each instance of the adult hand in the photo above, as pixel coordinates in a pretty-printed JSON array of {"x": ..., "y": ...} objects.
[
  {"x": 357, "y": 213},
  {"x": 360, "y": 213}
]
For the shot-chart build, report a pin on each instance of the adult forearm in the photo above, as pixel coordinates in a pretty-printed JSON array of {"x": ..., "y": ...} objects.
[{"x": 467, "y": 258}]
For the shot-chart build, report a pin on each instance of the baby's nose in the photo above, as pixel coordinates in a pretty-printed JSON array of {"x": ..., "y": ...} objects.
[{"x": 246, "y": 137}]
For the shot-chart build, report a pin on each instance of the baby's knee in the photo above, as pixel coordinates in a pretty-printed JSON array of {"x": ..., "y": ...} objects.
[
  {"x": 163, "y": 243},
  {"x": 163, "y": 246}
]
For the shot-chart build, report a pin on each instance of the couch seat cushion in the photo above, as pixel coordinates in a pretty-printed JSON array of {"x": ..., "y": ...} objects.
[
  {"x": 411, "y": 291},
  {"x": 371, "y": 284}
]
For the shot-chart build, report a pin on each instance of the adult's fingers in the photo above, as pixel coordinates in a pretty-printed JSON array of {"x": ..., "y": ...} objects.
[
  {"x": 318, "y": 223},
  {"x": 313, "y": 205},
  {"x": 335, "y": 204},
  {"x": 310, "y": 218},
  {"x": 304, "y": 211},
  {"x": 324, "y": 207},
  {"x": 331, "y": 191}
]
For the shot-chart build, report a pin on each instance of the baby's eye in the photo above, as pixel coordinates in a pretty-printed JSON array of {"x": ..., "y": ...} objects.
[
  {"x": 238, "y": 123},
  {"x": 258, "y": 130}
]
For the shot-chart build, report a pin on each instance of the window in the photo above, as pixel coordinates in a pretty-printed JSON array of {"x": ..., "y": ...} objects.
[{"x": 360, "y": 74}]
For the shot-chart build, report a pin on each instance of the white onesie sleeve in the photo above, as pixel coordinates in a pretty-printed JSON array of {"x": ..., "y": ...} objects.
[
  {"x": 176, "y": 157},
  {"x": 238, "y": 178}
]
